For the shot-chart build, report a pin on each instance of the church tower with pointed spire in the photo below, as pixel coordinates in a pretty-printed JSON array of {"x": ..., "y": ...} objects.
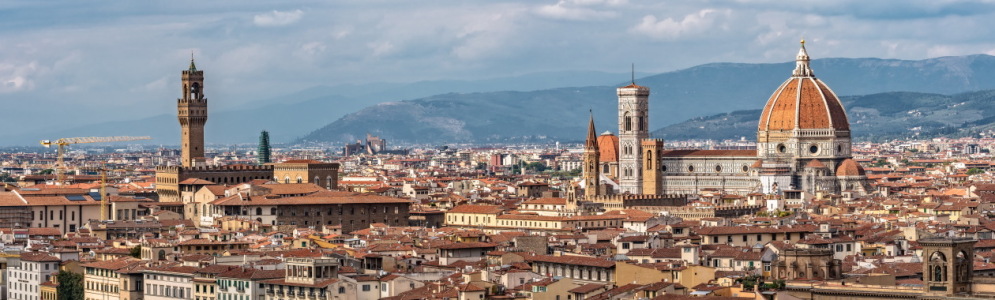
[
  {"x": 633, "y": 127},
  {"x": 192, "y": 114},
  {"x": 592, "y": 178}
]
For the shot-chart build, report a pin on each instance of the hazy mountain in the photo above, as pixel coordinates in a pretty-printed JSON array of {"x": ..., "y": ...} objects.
[
  {"x": 561, "y": 114},
  {"x": 392, "y": 91},
  {"x": 872, "y": 117},
  {"x": 283, "y": 121},
  {"x": 476, "y": 117}
]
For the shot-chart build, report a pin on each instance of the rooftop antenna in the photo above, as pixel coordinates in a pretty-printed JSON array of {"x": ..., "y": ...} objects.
[{"x": 633, "y": 73}]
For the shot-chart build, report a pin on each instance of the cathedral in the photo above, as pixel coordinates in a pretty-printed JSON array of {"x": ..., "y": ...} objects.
[{"x": 803, "y": 144}]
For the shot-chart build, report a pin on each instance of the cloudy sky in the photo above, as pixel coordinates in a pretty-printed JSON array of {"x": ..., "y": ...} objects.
[{"x": 63, "y": 62}]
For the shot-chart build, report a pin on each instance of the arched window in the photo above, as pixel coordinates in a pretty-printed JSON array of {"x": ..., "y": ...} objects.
[
  {"x": 300, "y": 180},
  {"x": 195, "y": 90},
  {"x": 628, "y": 121},
  {"x": 642, "y": 126},
  {"x": 162, "y": 254}
]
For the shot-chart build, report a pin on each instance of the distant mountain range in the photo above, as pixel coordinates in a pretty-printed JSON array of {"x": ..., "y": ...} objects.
[
  {"x": 872, "y": 117},
  {"x": 561, "y": 114},
  {"x": 537, "y": 107}
]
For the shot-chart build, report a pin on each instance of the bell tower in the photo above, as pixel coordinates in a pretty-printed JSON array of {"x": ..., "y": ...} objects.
[
  {"x": 633, "y": 127},
  {"x": 192, "y": 113},
  {"x": 592, "y": 176}
]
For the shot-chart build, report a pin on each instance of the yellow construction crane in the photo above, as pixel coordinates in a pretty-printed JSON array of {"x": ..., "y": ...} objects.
[{"x": 60, "y": 167}]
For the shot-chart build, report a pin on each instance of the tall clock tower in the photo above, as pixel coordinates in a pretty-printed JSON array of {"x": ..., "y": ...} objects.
[{"x": 192, "y": 113}]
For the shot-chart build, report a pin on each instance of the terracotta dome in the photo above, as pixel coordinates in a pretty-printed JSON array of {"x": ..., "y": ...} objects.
[
  {"x": 608, "y": 147},
  {"x": 849, "y": 167},
  {"x": 803, "y": 102}
]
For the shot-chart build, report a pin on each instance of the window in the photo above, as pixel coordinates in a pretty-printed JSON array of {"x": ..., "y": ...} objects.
[{"x": 366, "y": 287}]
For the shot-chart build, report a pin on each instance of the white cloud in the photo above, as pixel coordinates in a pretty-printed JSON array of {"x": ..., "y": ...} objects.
[
  {"x": 669, "y": 28},
  {"x": 278, "y": 18},
  {"x": 17, "y": 77},
  {"x": 566, "y": 10},
  {"x": 381, "y": 48}
]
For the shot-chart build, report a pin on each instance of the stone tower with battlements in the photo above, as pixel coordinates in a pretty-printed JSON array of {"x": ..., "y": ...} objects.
[
  {"x": 192, "y": 114},
  {"x": 633, "y": 127},
  {"x": 652, "y": 149}
]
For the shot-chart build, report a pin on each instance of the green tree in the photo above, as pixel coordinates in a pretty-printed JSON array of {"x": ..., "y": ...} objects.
[
  {"x": 973, "y": 171},
  {"x": 136, "y": 252},
  {"x": 881, "y": 163},
  {"x": 535, "y": 166},
  {"x": 46, "y": 172},
  {"x": 70, "y": 285}
]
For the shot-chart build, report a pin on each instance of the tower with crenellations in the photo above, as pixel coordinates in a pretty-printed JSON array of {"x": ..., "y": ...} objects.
[{"x": 192, "y": 114}]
